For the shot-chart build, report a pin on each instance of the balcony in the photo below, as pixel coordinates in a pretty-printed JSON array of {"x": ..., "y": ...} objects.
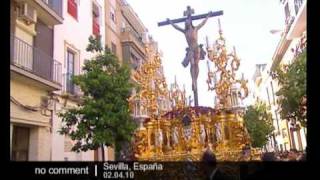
[
  {"x": 129, "y": 35},
  {"x": 34, "y": 63},
  {"x": 95, "y": 28},
  {"x": 49, "y": 11},
  {"x": 299, "y": 24},
  {"x": 69, "y": 88}
]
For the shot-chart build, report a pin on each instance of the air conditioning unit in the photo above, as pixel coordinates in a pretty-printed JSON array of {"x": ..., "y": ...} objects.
[{"x": 27, "y": 13}]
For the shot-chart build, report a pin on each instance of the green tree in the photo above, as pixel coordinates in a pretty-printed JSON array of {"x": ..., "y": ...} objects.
[
  {"x": 292, "y": 80},
  {"x": 103, "y": 118},
  {"x": 258, "y": 122}
]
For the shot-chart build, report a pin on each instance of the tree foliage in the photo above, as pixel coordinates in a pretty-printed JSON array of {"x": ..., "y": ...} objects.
[
  {"x": 292, "y": 80},
  {"x": 103, "y": 117},
  {"x": 258, "y": 122}
]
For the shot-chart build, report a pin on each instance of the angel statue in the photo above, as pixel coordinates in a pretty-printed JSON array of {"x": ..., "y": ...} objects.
[
  {"x": 159, "y": 139},
  {"x": 202, "y": 134},
  {"x": 218, "y": 131},
  {"x": 175, "y": 136}
]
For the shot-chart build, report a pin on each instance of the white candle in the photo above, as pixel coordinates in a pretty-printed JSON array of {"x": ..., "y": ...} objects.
[
  {"x": 153, "y": 85},
  {"x": 208, "y": 66},
  {"x": 207, "y": 40}
]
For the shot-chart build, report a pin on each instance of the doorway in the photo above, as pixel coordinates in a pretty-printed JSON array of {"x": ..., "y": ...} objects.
[{"x": 20, "y": 143}]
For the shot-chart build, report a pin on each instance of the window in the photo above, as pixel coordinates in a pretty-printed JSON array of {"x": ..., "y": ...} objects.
[
  {"x": 277, "y": 120},
  {"x": 112, "y": 15},
  {"x": 286, "y": 10},
  {"x": 135, "y": 62},
  {"x": 113, "y": 48},
  {"x": 287, "y": 13},
  {"x": 297, "y": 5},
  {"x": 95, "y": 19},
  {"x": 73, "y": 8},
  {"x": 268, "y": 96},
  {"x": 70, "y": 71},
  {"x": 273, "y": 96}
]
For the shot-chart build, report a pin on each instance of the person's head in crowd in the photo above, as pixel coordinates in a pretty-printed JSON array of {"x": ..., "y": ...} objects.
[
  {"x": 209, "y": 158},
  {"x": 303, "y": 157},
  {"x": 292, "y": 156},
  {"x": 294, "y": 151},
  {"x": 278, "y": 155},
  {"x": 269, "y": 156},
  {"x": 209, "y": 162}
]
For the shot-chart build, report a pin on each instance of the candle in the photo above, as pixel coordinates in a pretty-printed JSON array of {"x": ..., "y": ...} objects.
[
  {"x": 215, "y": 78},
  {"x": 219, "y": 24},
  {"x": 208, "y": 66},
  {"x": 153, "y": 85},
  {"x": 207, "y": 40}
]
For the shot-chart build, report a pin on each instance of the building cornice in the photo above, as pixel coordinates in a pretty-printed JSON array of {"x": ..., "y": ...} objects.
[{"x": 281, "y": 49}]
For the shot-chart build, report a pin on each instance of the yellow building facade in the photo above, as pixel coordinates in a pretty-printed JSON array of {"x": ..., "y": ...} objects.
[
  {"x": 33, "y": 76},
  {"x": 45, "y": 48}
]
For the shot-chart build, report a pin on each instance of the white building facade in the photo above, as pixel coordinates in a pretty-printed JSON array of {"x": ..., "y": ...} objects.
[
  {"x": 286, "y": 135},
  {"x": 81, "y": 20}
]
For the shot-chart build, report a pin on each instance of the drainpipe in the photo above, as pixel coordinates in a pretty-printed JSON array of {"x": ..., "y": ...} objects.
[
  {"x": 51, "y": 131},
  {"x": 275, "y": 143},
  {"x": 102, "y": 152},
  {"x": 53, "y": 102},
  {"x": 11, "y": 132}
]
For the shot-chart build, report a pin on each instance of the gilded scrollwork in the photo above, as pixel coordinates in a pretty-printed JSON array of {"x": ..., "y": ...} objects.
[{"x": 226, "y": 67}]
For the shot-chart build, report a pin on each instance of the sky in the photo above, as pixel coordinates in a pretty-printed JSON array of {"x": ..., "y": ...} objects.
[{"x": 246, "y": 24}]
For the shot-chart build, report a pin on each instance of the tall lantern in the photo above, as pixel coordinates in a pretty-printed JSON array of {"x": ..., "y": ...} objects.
[{"x": 140, "y": 112}]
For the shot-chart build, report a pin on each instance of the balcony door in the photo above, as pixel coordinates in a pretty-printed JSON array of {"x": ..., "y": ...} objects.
[
  {"x": 43, "y": 52},
  {"x": 70, "y": 71}
]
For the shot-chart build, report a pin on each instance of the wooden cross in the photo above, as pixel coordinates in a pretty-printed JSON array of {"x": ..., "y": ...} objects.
[{"x": 189, "y": 12}]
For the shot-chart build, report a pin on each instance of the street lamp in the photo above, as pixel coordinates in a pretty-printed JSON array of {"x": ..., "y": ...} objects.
[{"x": 275, "y": 31}]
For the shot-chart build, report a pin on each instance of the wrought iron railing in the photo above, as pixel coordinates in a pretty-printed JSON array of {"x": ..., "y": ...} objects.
[
  {"x": 130, "y": 32},
  {"x": 34, "y": 60},
  {"x": 68, "y": 86}
]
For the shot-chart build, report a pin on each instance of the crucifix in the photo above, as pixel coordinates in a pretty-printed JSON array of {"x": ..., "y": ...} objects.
[{"x": 194, "y": 51}]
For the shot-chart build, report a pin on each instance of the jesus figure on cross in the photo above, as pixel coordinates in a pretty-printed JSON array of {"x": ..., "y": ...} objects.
[{"x": 195, "y": 52}]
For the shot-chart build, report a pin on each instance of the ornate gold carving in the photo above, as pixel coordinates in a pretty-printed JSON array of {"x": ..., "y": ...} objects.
[{"x": 180, "y": 132}]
